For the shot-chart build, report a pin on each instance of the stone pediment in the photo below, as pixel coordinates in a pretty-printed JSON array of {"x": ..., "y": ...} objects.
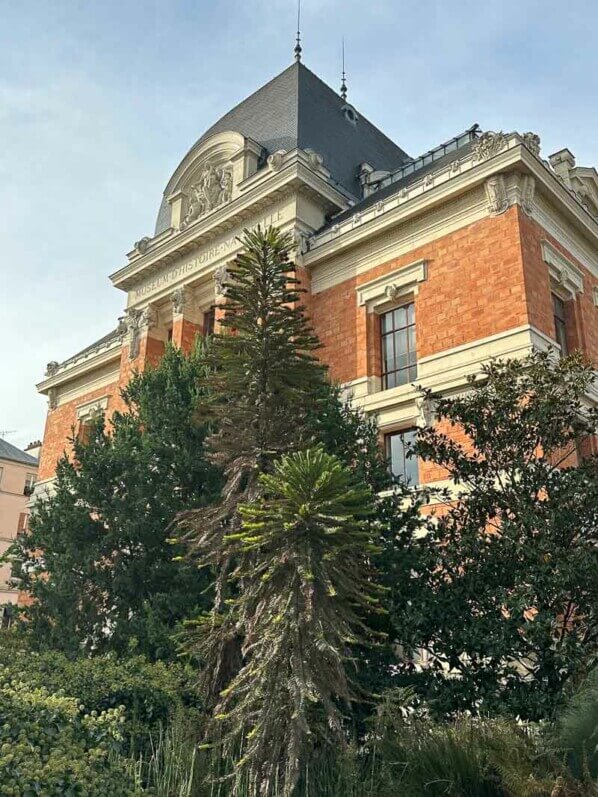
[
  {"x": 209, "y": 177},
  {"x": 581, "y": 181}
]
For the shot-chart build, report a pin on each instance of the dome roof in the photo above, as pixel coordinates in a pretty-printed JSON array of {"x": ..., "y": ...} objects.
[{"x": 298, "y": 110}]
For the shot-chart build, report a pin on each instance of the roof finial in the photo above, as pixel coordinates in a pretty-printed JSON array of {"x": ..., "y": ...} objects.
[
  {"x": 298, "y": 44},
  {"x": 344, "y": 82}
]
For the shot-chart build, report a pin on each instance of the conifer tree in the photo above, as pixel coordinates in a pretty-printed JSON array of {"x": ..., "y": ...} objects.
[
  {"x": 305, "y": 585},
  {"x": 266, "y": 380}
]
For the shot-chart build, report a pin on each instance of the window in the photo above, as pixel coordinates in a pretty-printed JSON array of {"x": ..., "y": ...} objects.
[
  {"x": 209, "y": 320},
  {"x": 84, "y": 430},
  {"x": 399, "y": 358},
  {"x": 30, "y": 480},
  {"x": 22, "y": 525},
  {"x": 560, "y": 325},
  {"x": 169, "y": 334},
  {"x": 1, "y": 472},
  {"x": 402, "y": 465}
]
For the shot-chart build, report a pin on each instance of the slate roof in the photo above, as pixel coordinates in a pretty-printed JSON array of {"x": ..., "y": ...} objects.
[
  {"x": 14, "y": 454},
  {"x": 398, "y": 182},
  {"x": 297, "y": 109}
]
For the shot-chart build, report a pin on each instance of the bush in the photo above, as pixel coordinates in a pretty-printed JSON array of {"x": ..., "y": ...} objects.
[
  {"x": 50, "y": 746},
  {"x": 148, "y": 692},
  {"x": 577, "y": 729}
]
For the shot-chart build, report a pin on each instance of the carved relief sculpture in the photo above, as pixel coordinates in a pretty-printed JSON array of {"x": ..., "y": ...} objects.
[
  {"x": 136, "y": 321},
  {"x": 52, "y": 368},
  {"x": 488, "y": 145},
  {"x": 532, "y": 142},
  {"x": 496, "y": 194},
  {"x": 213, "y": 188}
]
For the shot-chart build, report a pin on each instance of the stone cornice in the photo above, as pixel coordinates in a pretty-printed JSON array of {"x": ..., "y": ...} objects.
[
  {"x": 441, "y": 186},
  {"x": 88, "y": 361},
  {"x": 297, "y": 171}
]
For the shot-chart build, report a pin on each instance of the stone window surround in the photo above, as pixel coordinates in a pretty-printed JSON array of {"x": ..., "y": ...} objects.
[
  {"x": 85, "y": 412},
  {"x": 380, "y": 294},
  {"x": 390, "y": 290},
  {"x": 565, "y": 277}
]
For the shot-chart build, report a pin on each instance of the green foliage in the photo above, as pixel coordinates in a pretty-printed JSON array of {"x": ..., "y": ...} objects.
[
  {"x": 577, "y": 729},
  {"x": 504, "y": 589},
  {"x": 148, "y": 692},
  {"x": 50, "y": 746},
  {"x": 96, "y": 558},
  {"x": 305, "y": 585},
  {"x": 264, "y": 382},
  {"x": 171, "y": 768}
]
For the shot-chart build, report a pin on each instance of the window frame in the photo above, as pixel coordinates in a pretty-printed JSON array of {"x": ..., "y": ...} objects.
[
  {"x": 407, "y": 462},
  {"x": 411, "y": 368},
  {"x": 559, "y": 319},
  {"x": 208, "y": 324},
  {"x": 30, "y": 480}
]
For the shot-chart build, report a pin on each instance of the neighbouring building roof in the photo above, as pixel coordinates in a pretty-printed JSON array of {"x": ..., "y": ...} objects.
[
  {"x": 298, "y": 110},
  {"x": 14, "y": 454}
]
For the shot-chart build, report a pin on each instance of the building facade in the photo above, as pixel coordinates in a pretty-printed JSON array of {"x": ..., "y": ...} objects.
[
  {"x": 417, "y": 270},
  {"x": 18, "y": 475}
]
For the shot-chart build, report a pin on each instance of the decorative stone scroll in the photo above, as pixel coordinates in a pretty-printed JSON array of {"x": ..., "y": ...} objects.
[
  {"x": 221, "y": 277},
  {"x": 178, "y": 298},
  {"x": 528, "y": 192},
  {"x": 496, "y": 194},
  {"x": 488, "y": 145},
  {"x": 426, "y": 411},
  {"x": 275, "y": 159},
  {"x": 142, "y": 245},
  {"x": 213, "y": 188}
]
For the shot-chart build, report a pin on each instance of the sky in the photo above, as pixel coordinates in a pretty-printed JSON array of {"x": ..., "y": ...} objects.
[{"x": 100, "y": 100}]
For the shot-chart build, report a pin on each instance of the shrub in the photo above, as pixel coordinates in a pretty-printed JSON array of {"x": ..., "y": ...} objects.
[
  {"x": 50, "y": 746},
  {"x": 148, "y": 692}
]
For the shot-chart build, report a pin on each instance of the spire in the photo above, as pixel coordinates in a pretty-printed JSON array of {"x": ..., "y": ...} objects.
[
  {"x": 344, "y": 82},
  {"x": 298, "y": 44}
]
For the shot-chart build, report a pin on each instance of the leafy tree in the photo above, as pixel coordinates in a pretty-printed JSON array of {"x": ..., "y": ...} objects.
[
  {"x": 96, "y": 558},
  {"x": 504, "y": 591},
  {"x": 306, "y": 584}
]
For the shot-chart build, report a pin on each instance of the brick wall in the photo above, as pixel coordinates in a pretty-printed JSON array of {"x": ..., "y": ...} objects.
[
  {"x": 581, "y": 314},
  {"x": 475, "y": 288}
]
